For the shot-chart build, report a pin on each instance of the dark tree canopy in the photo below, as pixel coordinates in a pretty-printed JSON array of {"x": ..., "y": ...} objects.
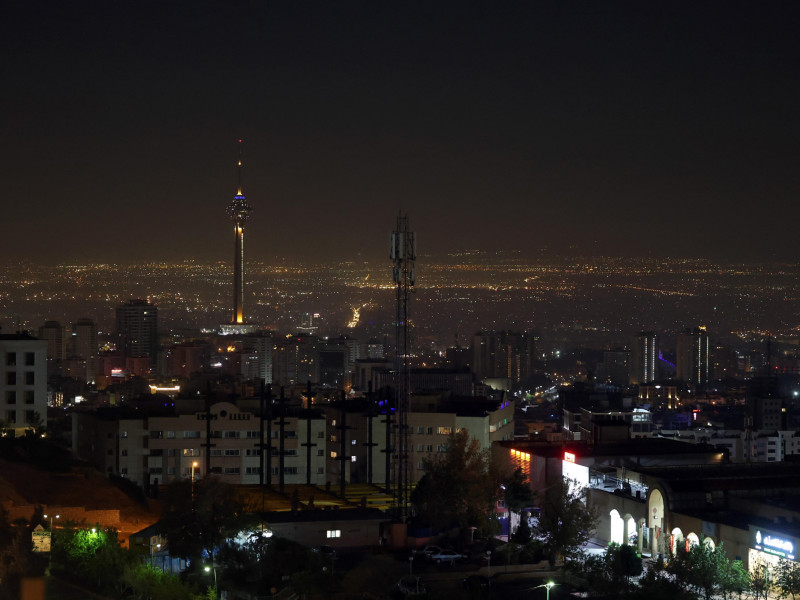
[
  {"x": 460, "y": 486},
  {"x": 567, "y": 522},
  {"x": 708, "y": 571},
  {"x": 197, "y": 520},
  {"x": 517, "y": 491}
]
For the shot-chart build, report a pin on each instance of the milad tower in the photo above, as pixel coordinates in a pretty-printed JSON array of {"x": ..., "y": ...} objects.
[{"x": 238, "y": 211}]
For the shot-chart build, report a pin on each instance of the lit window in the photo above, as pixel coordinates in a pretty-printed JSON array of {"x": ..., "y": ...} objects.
[{"x": 333, "y": 533}]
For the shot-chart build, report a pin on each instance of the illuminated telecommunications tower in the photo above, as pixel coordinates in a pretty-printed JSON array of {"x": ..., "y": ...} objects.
[
  {"x": 238, "y": 211},
  {"x": 403, "y": 253}
]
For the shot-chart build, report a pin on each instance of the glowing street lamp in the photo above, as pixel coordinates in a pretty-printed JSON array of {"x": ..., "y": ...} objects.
[
  {"x": 547, "y": 586},
  {"x": 51, "y": 521},
  {"x": 195, "y": 464},
  {"x": 208, "y": 570}
]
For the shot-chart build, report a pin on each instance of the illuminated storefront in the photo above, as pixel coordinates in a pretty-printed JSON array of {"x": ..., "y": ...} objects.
[{"x": 768, "y": 547}]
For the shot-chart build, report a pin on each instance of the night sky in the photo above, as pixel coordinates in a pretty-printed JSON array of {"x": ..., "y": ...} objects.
[{"x": 596, "y": 128}]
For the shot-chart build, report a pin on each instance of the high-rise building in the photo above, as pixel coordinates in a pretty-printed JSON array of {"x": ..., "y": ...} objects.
[
  {"x": 295, "y": 360},
  {"x": 238, "y": 211},
  {"x": 502, "y": 355},
  {"x": 693, "y": 361},
  {"x": 615, "y": 368},
  {"x": 263, "y": 346},
  {"x": 137, "y": 329},
  {"x": 83, "y": 345},
  {"x": 23, "y": 381},
  {"x": 644, "y": 353},
  {"x": 53, "y": 333}
]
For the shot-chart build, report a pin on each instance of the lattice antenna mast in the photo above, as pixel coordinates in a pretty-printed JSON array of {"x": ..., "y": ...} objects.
[
  {"x": 239, "y": 169},
  {"x": 403, "y": 253}
]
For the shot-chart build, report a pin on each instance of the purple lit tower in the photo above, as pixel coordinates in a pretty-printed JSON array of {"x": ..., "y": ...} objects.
[{"x": 238, "y": 211}]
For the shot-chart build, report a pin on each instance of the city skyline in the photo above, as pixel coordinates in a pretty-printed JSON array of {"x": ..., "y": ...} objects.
[{"x": 597, "y": 130}]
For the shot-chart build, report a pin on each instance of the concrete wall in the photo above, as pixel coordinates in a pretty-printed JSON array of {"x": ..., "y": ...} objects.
[
  {"x": 74, "y": 514},
  {"x": 353, "y": 533}
]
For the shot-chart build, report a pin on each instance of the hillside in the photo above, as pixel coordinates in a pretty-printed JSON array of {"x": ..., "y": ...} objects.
[{"x": 25, "y": 484}]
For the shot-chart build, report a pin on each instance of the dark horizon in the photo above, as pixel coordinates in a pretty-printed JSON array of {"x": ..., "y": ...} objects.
[{"x": 613, "y": 129}]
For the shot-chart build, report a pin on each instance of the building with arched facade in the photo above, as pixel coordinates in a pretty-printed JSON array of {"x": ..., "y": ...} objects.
[{"x": 660, "y": 495}]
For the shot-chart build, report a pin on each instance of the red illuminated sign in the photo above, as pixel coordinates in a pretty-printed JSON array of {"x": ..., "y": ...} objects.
[{"x": 569, "y": 457}]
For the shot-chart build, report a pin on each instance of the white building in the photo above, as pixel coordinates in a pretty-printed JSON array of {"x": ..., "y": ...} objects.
[
  {"x": 223, "y": 441},
  {"x": 743, "y": 446},
  {"x": 23, "y": 381}
]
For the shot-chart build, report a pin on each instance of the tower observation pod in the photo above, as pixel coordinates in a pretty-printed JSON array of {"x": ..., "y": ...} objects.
[{"x": 238, "y": 211}]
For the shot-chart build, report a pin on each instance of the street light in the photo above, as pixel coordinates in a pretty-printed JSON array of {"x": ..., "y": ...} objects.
[
  {"x": 214, "y": 568},
  {"x": 411, "y": 566},
  {"x": 489, "y": 568},
  {"x": 547, "y": 586},
  {"x": 195, "y": 464},
  {"x": 153, "y": 549},
  {"x": 51, "y": 521},
  {"x": 50, "y": 558}
]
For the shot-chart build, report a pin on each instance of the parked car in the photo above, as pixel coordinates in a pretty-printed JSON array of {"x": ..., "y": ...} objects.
[
  {"x": 450, "y": 556},
  {"x": 325, "y": 551},
  {"x": 411, "y": 586},
  {"x": 426, "y": 551},
  {"x": 475, "y": 582}
]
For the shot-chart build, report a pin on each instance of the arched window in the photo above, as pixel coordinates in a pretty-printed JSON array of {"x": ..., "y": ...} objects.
[
  {"x": 692, "y": 540},
  {"x": 617, "y": 528}
]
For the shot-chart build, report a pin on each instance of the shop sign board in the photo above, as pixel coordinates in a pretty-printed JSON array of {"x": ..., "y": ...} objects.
[{"x": 773, "y": 543}]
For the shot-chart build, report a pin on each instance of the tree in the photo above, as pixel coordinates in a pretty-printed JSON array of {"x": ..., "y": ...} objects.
[
  {"x": 198, "y": 518},
  {"x": 518, "y": 495},
  {"x": 567, "y": 522},
  {"x": 760, "y": 582},
  {"x": 708, "y": 571},
  {"x": 612, "y": 572},
  {"x": 734, "y": 579},
  {"x": 17, "y": 559},
  {"x": 146, "y": 582},
  {"x": 787, "y": 579},
  {"x": 91, "y": 557},
  {"x": 517, "y": 491},
  {"x": 657, "y": 584},
  {"x": 460, "y": 486},
  {"x": 523, "y": 533},
  {"x": 36, "y": 426}
]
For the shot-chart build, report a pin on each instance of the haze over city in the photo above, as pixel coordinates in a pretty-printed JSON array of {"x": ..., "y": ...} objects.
[
  {"x": 399, "y": 300},
  {"x": 597, "y": 129}
]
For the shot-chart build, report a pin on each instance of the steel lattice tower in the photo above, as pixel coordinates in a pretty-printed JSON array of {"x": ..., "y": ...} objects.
[
  {"x": 238, "y": 211},
  {"x": 403, "y": 253}
]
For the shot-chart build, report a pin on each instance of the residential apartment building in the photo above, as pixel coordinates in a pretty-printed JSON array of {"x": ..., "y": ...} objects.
[
  {"x": 23, "y": 381},
  {"x": 223, "y": 440}
]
